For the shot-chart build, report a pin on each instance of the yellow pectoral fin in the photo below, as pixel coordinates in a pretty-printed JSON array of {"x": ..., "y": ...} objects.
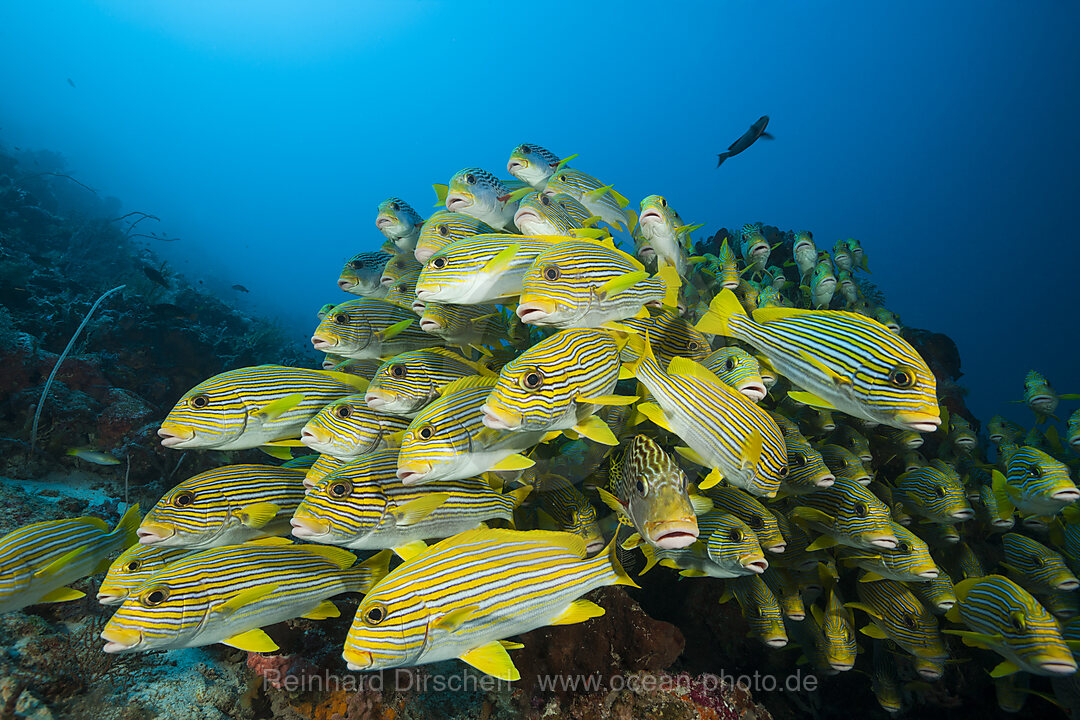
[
  {"x": 875, "y": 632},
  {"x": 492, "y": 658},
  {"x": 281, "y": 453},
  {"x": 821, "y": 543},
  {"x": 751, "y": 452},
  {"x": 511, "y": 645},
  {"x": 251, "y": 641},
  {"x": 244, "y": 597},
  {"x": 259, "y": 514},
  {"x": 836, "y": 377},
  {"x": 441, "y": 192},
  {"x": 324, "y": 611},
  {"x": 610, "y": 399},
  {"x": 395, "y": 330},
  {"x": 502, "y": 259},
  {"x": 454, "y": 619},
  {"x": 692, "y": 455},
  {"x": 58, "y": 564},
  {"x": 711, "y": 479},
  {"x": 1006, "y": 667},
  {"x": 596, "y": 430},
  {"x": 578, "y": 611},
  {"x": 276, "y": 408},
  {"x": 283, "y": 443},
  {"x": 656, "y": 414},
  {"x": 632, "y": 542},
  {"x": 517, "y": 461},
  {"x": 810, "y": 399},
  {"x": 701, "y": 504},
  {"x": 416, "y": 510},
  {"x": 62, "y": 595},
  {"x": 611, "y": 501},
  {"x": 618, "y": 284}
]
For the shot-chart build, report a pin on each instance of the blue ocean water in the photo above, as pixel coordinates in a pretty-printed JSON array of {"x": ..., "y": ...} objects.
[{"x": 264, "y": 134}]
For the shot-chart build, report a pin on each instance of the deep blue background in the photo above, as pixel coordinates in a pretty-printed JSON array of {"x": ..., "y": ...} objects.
[{"x": 943, "y": 135}]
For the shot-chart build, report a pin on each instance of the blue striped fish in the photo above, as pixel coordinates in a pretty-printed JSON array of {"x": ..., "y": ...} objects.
[
  {"x": 226, "y": 594},
  {"x": 1036, "y": 567},
  {"x": 461, "y": 597},
  {"x": 402, "y": 269},
  {"x": 938, "y": 594},
  {"x": 845, "y": 361},
  {"x": 760, "y": 609},
  {"x": 403, "y": 295},
  {"x": 600, "y": 199},
  {"x": 533, "y": 164},
  {"x": 465, "y": 326},
  {"x": 739, "y": 369},
  {"x": 481, "y": 269},
  {"x": 365, "y": 328},
  {"x": 932, "y": 494},
  {"x": 38, "y": 560},
  {"x": 850, "y": 438},
  {"x": 1005, "y": 618},
  {"x": 225, "y": 506},
  {"x": 542, "y": 214},
  {"x": 1073, "y": 432},
  {"x": 909, "y": 561},
  {"x": 670, "y": 335},
  {"x": 132, "y": 568},
  {"x": 585, "y": 283},
  {"x": 820, "y": 285},
  {"x": 785, "y": 586},
  {"x": 728, "y": 276},
  {"x": 474, "y": 191},
  {"x": 405, "y": 383},
  {"x": 750, "y": 510},
  {"x": 1037, "y": 484},
  {"x": 838, "y": 646},
  {"x": 363, "y": 368},
  {"x": 447, "y": 440},
  {"x": 443, "y": 228},
  {"x": 347, "y": 428},
  {"x": 843, "y": 463},
  {"x": 252, "y": 406},
  {"x": 723, "y": 429},
  {"x": 888, "y": 319},
  {"x": 559, "y": 384},
  {"x": 323, "y": 466},
  {"x": 399, "y": 223},
  {"x": 726, "y": 547},
  {"x": 755, "y": 248},
  {"x": 848, "y": 514},
  {"x": 362, "y": 275},
  {"x": 1041, "y": 397},
  {"x": 895, "y": 613},
  {"x": 363, "y": 506}
]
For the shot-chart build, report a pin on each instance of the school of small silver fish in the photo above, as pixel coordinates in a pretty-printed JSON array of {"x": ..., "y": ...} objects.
[{"x": 521, "y": 411}]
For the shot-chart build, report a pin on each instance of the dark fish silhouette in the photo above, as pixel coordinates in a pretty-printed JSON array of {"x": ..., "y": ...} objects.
[
  {"x": 240, "y": 288},
  {"x": 71, "y": 82},
  {"x": 757, "y": 130},
  {"x": 155, "y": 276}
]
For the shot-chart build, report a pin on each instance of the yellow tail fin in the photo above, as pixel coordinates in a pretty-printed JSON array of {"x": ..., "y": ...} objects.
[
  {"x": 722, "y": 308},
  {"x": 128, "y": 524}
]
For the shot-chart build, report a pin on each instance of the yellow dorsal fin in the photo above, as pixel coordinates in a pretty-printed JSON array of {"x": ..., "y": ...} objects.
[
  {"x": 258, "y": 515},
  {"x": 338, "y": 556},
  {"x": 467, "y": 383},
  {"x": 276, "y": 408},
  {"x": 251, "y": 641},
  {"x": 717, "y": 321},
  {"x": 519, "y": 495},
  {"x": 764, "y": 315},
  {"x": 492, "y": 658}
]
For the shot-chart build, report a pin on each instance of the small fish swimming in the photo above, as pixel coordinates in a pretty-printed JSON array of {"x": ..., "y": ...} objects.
[
  {"x": 443, "y": 228},
  {"x": 240, "y": 288},
  {"x": 367, "y": 328},
  {"x": 739, "y": 369},
  {"x": 600, "y": 199},
  {"x": 405, "y": 383},
  {"x": 474, "y": 191},
  {"x": 133, "y": 568},
  {"x": 748, "y": 138},
  {"x": 760, "y": 609},
  {"x": 804, "y": 253},
  {"x": 569, "y": 511},
  {"x": 533, "y": 164},
  {"x": 896, "y": 614},
  {"x": 399, "y": 223},
  {"x": 348, "y": 428},
  {"x": 93, "y": 456},
  {"x": 1036, "y": 483},
  {"x": 665, "y": 232},
  {"x": 542, "y": 214},
  {"x": 481, "y": 269},
  {"x": 848, "y": 514},
  {"x": 156, "y": 276}
]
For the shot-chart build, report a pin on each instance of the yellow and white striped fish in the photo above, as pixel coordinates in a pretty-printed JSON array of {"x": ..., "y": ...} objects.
[
  {"x": 364, "y": 506},
  {"x": 909, "y": 561},
  {"x": 226, "y": 594},
  {"x": 896, "y": 614},
  {"x": 133, "y": 568},
  {"x": 323, "y": 466},
  {"x": 664, "y": 231},
  {"x": 586, "y": 283},
  {"x": 848, "y": 514},
  {"x": 563, "y": 507},
  {"x": 465, "y": 326},
  {"x": 845, "y": 361},
  {"x": 559, "y": 384},
  {"x": 252, "y": 406},
  {"x": 600, "y": 199},
  {"x": 481, "y": 269},
  {"x": 671, "y": 336},
  {"x": 725, "y": 548},
  {"x": 845, "y": 464},
  {"x": 405, "y": 383},
  {"x": 542, "y": 214},
  {"x": 533, "y": 164},
  {"x": 401, "y": 269},
  {"x": 461, "y": 597},
  {"x": 739, "y": 369},
  {"x": 749, "y": 509},
  {"x": 760, "y": 609},
  {"x": 443, "y": 228},
  {"x": 474, "y": 191},
  {"x": 347, "y": 428},
  {"x": 807, "y": 472},
  {"x": 365, "y": 328},
  {"x": 38, "y": 560},
  {"x": 362, "y": 275},
  {"x": 723, "y": 429},
  {"x": 447, "y": 440},
  {"x": 228, "y": 505}
]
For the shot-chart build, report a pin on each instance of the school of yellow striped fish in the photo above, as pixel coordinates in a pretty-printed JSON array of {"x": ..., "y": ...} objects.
[{"x": 513, "y": 411}]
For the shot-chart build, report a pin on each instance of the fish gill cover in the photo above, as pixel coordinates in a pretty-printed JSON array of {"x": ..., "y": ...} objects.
[{"x": 617, "y": 468}]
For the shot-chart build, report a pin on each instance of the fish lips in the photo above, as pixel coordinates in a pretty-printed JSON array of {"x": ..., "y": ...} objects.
[
  {"x": 1055, "y": 665},
  {"x": 497, "y": 417},
  {"x": 110, "y": 598},
  {"x": 672, "y": 534},
  {"x": 754, "y": 563},
  {"x": 889, "y": 542},
  {"x": 358, "y": 659},
  {"x": 383, "y": 221},
  {"x": 309, "y": 528},
  {"x": 923, "y": 422},
  {"x": 118, "y": 641},
  {"x": 151, "y": 534},
  {"x": 754, "y": 392},
  {"x": 414, "y": 473},
  {"x": 315, "y": 441},
  {"x": 534, "y": 311},
  {"x": 175, "y": 435},
  {"x": 321, "y": 343},
  {"x": 459, "y": 202},
  {"x": 346, "y": 284}
]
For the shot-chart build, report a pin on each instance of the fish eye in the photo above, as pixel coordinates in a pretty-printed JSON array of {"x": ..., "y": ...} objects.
[
  {"x": 1018, "y": 621},
  {"x": 341, "y": 318},
  {"x": 344, "y": 411},
  {"x": 340, "y": 489},
  {"x": 735, "y": 535},
  {"x": 902, "y": 377},
  {"x": 755, "y": 522},
  {"x": 729, "y": 364},
  {"x": 561, "y": 178},
  {"x": 641, "y": 487},
  {"x": 796, "y": 460},
  {"x": 693, "y": 346},
  {"x": 470, "y": 178},
  {"x": 783, "y": 471},
  {"x": 939, "y": 491},
  {"x": 199, "y": 401},
  {"x": 184, "y": 499},
  {"x": 375, "y": 614},
  {"x": 443, "y": 229},
  {"x": 154, "y": 597},
  {"x": 403, "y": 288},
  {"x": 532, "y": 380},
  {"x": 545, "y": 200},
  {"x": 395, "y": 205},
  {"x": 552, "y": 273},
  {"x": 439, "y": 263},
  {"x": 1036, "y": 561},
  {"x": 525, "y": 148},
  {"x": 861, "y": 509},
  {"x": 133, "y": 566},
  {"x": 903, "y": 547},
  {"x": 910, "y": 621},
  {"x": 426, "y": 432},
  {"x": 663, "y": 202},
  {"x": 357, "y": 264},
  {"x": 1034, "y": 471},
  {"x": 398, "y": 370}
]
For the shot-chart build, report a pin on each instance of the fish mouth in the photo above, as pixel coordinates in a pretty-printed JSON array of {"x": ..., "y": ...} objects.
[
  {"x": 149, "y": 533},
  {"x": 174, "y": 435},
  {"x": 776, "y": 642},
  {"x": 754, "y": 391},
  {"x": 924, "y": 422},
  {"x": 430, "y": 326},
  {"x": 357, "y": 659},
  {"x": 777, "y": 547},
  {"x": 346, "y": 284},
  {"x": 1068, "y": 585},
  {"x": 945, "y": 605},
  {"x": 594, "y": 546},
  {"x": 929, "y": 673},
  {"x": 321, "y": 343},
  {"x": 424, "y": 294},
  {"x": 672, "y": 534},
  {"x": 413, "y": 474},
  {"x": 965, "y": 514},
  {"x": 1068, "y": 495},
  {"x": 457, "y": 202},
  {"x": 527, "y": 214},
  {"x": 386, "y": 280},
  {"x": 422, "y": 255},
  {"x": 533, "y": 311},
  {"x": 510, "y": 166},
  {"x": 374, "y": 400},
  {"x": 646, "y": 253},
  {"x": 110, "y": 598},
  {"x": 499, "y": 418},
  {"x": 419, "y": 307},
  {"x": 651, "y": 215},
  {"x": 383, "y": 221},
  {"x": 888, "y": 542},
  {"x": 306, "y": 527},
  {"x": 825, "y": 481},
  {"x": 312, "y": 438},
  {"x": 756, "y": 564},
  {"x": 118, "y": 641},
  {"x": 841, "y": 666},
  {"x": 1057, "y": 667},
  {"x": 929, "y": 574},
  {"x": 1003, "y": 522}
]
